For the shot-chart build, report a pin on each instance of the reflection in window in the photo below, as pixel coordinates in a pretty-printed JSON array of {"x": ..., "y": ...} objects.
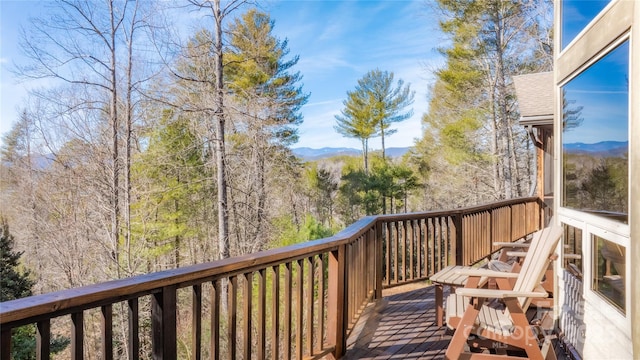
[
  {"x": 573, "y": 250},
  {"x": 595, "y": 138},
  {"x": 576, "y": 14},
  {"x": 609, "y": 271}
]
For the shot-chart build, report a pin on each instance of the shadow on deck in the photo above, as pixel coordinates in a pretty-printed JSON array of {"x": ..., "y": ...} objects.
[
  {"x": 402, "y": 325},
  {"x": 399, "y": 326}
]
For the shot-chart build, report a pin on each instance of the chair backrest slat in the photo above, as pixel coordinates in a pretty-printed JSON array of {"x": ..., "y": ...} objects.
[{"x": 537, "y": 260}]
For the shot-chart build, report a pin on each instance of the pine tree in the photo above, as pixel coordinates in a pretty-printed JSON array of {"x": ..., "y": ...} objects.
[
  {"x": 372, "y": 107},
  {"x": 15, "y": 284},
  {"x": 471, "y": 129}
]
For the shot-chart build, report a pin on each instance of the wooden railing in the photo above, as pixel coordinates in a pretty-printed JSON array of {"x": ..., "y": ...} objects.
[
  {"x": 299, "y": 301},
  {"x": 418, "y": 245}
]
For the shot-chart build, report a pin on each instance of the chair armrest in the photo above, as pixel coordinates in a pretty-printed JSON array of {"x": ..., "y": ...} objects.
[
  {"x": 499, "y": 294},
  {"x": 517, "y": 253},
  {"x": 487, "y": 273},
  {"x": 511, "y": 244}
]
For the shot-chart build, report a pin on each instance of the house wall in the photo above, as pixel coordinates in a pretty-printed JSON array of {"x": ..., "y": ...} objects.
[
  {"x": 608, "y": 332},
  {"x": 634, "y": 215}
]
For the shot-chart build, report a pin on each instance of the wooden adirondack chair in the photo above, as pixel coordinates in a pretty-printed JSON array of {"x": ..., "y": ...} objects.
[{"x": 503, "y": 325}]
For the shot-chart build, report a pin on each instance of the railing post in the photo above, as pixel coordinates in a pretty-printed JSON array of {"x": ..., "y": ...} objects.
[
  {"x": 336, "y": 324},
  {"x": 107, "y": 332},
  {"x": 43, "y": 339},
  {"x": 5, "y": 343},
  {"x": 379, "y": 258},
  {"x": 458, "y": 244},
  {"x": 77, "y": 336},
  {"x": 163, "y": 324}
]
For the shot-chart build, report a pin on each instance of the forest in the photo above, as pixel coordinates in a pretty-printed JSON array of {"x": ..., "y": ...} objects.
[{"x": 153, "y": 152}]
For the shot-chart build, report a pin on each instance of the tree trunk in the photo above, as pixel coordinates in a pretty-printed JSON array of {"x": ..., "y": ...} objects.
[
  {"x": 365, "y": 155},
  {"x": 128, "y": 133},
  {"x": 223, "y": 214},
  {"x": 500, "y": 91},
  {"x": 115, "y": 172},
  {"x": 382, "y": 139}
]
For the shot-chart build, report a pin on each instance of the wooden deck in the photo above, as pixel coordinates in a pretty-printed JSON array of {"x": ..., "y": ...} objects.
[{"x": 402, "y": 325}]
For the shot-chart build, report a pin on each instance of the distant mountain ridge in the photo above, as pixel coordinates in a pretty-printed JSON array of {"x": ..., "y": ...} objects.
[
  {"x": 309, "y": 154},
  {"x": 609, "y": 148}
]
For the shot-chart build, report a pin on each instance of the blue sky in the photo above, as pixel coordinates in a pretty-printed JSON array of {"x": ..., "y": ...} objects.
[
  {"x": 337, "y": 41},
  {"x": 602, "y": 90}
]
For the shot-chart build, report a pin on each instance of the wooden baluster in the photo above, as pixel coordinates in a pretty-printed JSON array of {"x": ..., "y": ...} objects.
[
  {"x": 196, "y": 321},
  {"x": 77, "y": 336},
  {"x": 396, "y": 249},
  {"x": 248, "y": 297},
  {"x": 43, "y": 339},
  {"x": 424, "y": 241},
  {"x": 458, "y": 242},
  {"x": 134, "y": 329},
  {"x": 389, "y": 253},
  {"x": 402, "y": 252},
  {"x": 336, "y": 324},
  {"x": 432, "y": 240},
  {"x": 309, "y": 307},
  {"x": 262, "y": 314},
  {"x": 286, "y": 336},
  {"x": 214, "y": 349},
  {"x": 418, "y": 239},
  {"x": 275, "y": 313},
  {"x": 107, "y": 332},
  {"x": 351, "y": 284},
  {"x": 321, "y": 308},
  {"x": 379, "y": 260},
  {"x": 411, "y": 235},
  {"x": 299, "y": 309},
  {"x": 232, "y": 313},
  {"x": 163, "y": 323},
  {"x": 5, "y": 343}
]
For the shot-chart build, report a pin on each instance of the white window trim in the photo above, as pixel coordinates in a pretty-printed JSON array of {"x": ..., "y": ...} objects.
[{"x": 611, "y": 231}]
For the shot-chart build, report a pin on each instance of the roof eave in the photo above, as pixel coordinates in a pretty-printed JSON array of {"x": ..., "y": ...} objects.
[{"x": 538, "y": 120}]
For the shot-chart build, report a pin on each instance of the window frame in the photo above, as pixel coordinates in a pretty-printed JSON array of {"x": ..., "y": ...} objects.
[
  {"x": 617, "y": 233},
  {"x": 590, "y": 224},
  {"x": 626, "y": 37},
  {"x": 587, "y": 26}
]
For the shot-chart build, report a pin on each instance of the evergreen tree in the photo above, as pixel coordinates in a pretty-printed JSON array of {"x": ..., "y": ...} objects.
[
  {"x": 266, "y": 97},
  {"x": 471, "y": 129},
  {"x": 387, "y": 102},
  {"x": 170, "y": 217},
  {"x": 371, "y": 109},
  {"x": 259, "y": 73},
  {"x": 16, "y": 284}
]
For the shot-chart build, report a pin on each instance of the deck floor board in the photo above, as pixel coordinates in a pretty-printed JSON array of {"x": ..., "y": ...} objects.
[{"x": 401, "y": 325}]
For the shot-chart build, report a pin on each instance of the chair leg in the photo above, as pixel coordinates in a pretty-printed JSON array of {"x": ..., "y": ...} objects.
[
  {"x": 527, "y": 340},
  {"x": 439, "y": 311},
  {"x": 463, "y": 330},
  {"x": 548, "y": 351}
]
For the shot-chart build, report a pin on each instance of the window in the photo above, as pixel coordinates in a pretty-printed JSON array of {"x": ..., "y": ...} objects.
[
  {"x": 573, "y": 250},
  {"x": 576, "y": 14},
  {"x": 609, "y": 261},
  {"x": 595, "y": 138}
]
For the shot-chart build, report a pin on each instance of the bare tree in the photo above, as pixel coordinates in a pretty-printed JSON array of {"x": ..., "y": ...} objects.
[
  {"x": 208, "y": 48},
  {"x": 90, "y": 47}
]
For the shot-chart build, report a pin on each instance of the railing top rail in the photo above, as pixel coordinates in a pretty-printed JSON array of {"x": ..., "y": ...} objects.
[
  {"x": 34, "y": 308},
  {"x": 87, "y": 297},
  {"x": 463, "y": 211}
]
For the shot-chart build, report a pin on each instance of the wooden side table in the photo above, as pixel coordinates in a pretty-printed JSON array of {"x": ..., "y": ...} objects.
[{"x": 449, "y": 277}]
